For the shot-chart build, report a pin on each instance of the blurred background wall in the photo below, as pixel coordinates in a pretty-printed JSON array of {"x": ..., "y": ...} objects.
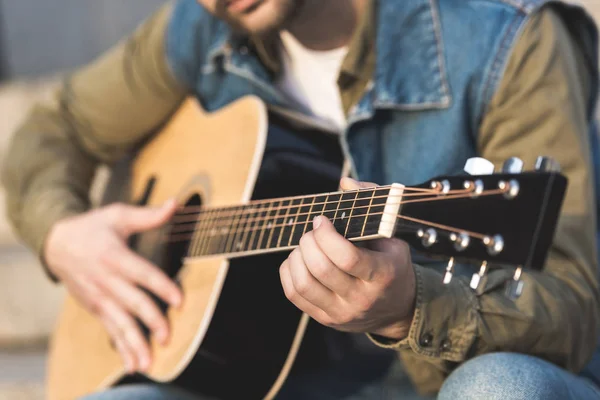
[
  {"x": 41, "y": 37},
  {"x": 39, "y": 40}
]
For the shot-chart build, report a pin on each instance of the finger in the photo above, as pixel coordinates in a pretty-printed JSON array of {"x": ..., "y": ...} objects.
[
  {"x": 120, "y": 344},
  {"x": 130, "y": 332},
  {"x": 309, "y": 288},
  {"x": 94, "y": 299},
  {"x": 142, "y": 272},
  {"x": 342, "y": 253},
  {"x": 323, "y": 269},
  {"x": 139, "y": 304},
  {"x": 293, "y": 296},
  {"x": 130, "y": 219},
  {"x": 352, "y": 184}
]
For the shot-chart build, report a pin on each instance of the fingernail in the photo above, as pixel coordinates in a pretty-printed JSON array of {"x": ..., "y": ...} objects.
[{"x": 317, "y": 222}]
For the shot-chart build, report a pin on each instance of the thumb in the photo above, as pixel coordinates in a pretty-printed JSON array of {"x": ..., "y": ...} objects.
[
  {"x": 352, "y": 184},
  {"x": 138, "y": 219}
]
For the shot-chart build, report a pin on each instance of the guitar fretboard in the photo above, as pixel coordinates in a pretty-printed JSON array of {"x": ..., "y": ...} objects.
[{"x": 263, "y": 226}]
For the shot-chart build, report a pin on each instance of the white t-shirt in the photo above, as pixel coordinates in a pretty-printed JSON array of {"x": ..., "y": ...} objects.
[{"x": 309, "y": 78}]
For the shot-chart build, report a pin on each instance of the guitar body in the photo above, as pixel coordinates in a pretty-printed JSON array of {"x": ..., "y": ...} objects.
[{"x": 236, "y": 335}]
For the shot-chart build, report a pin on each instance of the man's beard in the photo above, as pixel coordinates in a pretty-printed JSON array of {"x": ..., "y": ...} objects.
[{"x": 274, "y": 23}]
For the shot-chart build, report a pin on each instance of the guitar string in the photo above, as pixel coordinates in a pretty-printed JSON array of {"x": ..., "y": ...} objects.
[
  {"x": 190, "y": 218},
  {"x": 183, "y": 236},
  {"x": 199, "y": 208},
  {"x": 211, "y": 224},
  {"x": 187, "y": 217},
  {"x": 401, "y": 229}
]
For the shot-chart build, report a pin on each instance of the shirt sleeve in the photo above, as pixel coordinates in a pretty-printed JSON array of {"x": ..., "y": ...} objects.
[
  {"x": 99, "y": 113},
  {"x": 541, "y": 107}
]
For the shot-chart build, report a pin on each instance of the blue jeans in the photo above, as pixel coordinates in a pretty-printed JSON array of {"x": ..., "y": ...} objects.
[{"x": 494, "y": 376}]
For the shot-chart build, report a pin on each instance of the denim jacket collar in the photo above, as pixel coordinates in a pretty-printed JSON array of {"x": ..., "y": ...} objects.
[{"x": 409, "y": 72}]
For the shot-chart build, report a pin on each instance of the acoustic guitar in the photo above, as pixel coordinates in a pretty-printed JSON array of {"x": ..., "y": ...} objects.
[{"x": 249, "y": 180}]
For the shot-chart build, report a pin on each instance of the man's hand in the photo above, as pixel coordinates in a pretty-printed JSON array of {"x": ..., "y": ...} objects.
[
  {"x": 88, "y": 253},
  {"x": 349, "y": 288}
]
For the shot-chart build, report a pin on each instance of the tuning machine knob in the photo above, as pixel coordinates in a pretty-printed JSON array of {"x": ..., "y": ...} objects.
[
  {"x": 479, "y": 166},
  {"x": 547, "y": 164},
  {"x": 461, "y": 240},
  {"x": 513, "y": 165},
  {"x": 478, "y": 279},
  {"x": 428, "y": 237},
  {"x": 514, "y": 288}
]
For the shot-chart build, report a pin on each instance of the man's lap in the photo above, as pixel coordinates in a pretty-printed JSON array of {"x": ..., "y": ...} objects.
[{"x": 504, "y": 376}]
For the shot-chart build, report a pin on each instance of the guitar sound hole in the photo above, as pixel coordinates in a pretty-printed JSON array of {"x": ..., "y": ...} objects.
[
  {"x": 167, "y": 247},
  {"x": 180, "y": 236}
]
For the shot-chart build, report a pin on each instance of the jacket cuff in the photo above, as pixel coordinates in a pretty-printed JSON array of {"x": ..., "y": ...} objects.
[
  {"x": 444, "y": 324},
  {"x": 40, "y": 215}
]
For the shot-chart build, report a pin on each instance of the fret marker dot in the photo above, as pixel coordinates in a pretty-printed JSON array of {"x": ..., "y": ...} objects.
[
  {"x": 291, "y": 221},
  {"x": 344, "y": 215},
  {"x": 269, "y": 225}
]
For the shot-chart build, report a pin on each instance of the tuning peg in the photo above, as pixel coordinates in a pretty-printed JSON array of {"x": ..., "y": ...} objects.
[
  {"x": 461, "y": 241},
  {"x": 494, "y": 244},
  {"x": 478, "y": 279},
  {"x": 479, "y": 166},
  {"x": 513, "y": 165},
  {"x": 449, "y": 271},
  {"x": 547, "y": 164},
  {"x": 429, "y": 237},
  {"x": 514, "y": 288}
]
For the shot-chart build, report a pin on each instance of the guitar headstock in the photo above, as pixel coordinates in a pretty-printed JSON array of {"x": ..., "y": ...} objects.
[{"x": 506, "y": 218}]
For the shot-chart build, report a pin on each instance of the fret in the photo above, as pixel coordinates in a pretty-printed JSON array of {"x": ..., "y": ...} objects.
[
  {"x": 301, "y": 220},
  {"x": 201, "y": 234},
  {"x": 281, "y": 222},
  {"x": 249, "y": 231},
  {"x": 240, "y": 232},
  {"x": 220, "y": 230},
  {"x": 197, "y": 232},
  {"x": 318, "y": 208},
  {"x": 272, "y": 224},
  {"x": 308, "y": 217},
  {"x": 362, "y": 231},
  {"x": 235, "y": 220},
  {"x": 267, "y": 225},
  {"x": 351, "y": 211},
  {"x": 258, "y": 227},
  {"x": 342, "y": 217},
  {"x": 358, "y": 214},
  {"x": 331, "y": 206},
  {"x": 209, "y": 231},
  {"x": 290, "y": 222},
  {"x": 375, "y": 215}
]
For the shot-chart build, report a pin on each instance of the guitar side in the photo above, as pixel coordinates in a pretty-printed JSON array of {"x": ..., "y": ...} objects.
[{"x": 217, "y": 157}]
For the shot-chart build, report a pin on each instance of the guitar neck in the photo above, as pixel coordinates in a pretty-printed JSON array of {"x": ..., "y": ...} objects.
[{"x": 278, "y": 224}]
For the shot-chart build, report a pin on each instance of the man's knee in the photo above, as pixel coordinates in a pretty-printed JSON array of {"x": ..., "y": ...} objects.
[{"x": 505, "y": 376}]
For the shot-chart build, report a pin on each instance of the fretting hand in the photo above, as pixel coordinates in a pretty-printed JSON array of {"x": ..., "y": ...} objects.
[{"x": 349, "y": 288}]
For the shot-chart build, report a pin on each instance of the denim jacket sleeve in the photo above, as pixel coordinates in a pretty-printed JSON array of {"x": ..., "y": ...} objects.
[
  {"x": 541, "y": 107},
  {"x": 99, "y": 112}
]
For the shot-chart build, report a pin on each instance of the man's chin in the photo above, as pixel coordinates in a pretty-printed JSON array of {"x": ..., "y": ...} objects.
[{"x": 263, "y": 17}]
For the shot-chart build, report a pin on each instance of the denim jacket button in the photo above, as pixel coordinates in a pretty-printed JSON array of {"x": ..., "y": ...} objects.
[
  {"x": 446, "y": 345},
  {"x": 426, "y": 340}
]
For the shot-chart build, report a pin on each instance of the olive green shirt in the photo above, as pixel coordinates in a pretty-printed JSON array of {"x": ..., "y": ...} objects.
[{"x": 106, "y": 108}]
